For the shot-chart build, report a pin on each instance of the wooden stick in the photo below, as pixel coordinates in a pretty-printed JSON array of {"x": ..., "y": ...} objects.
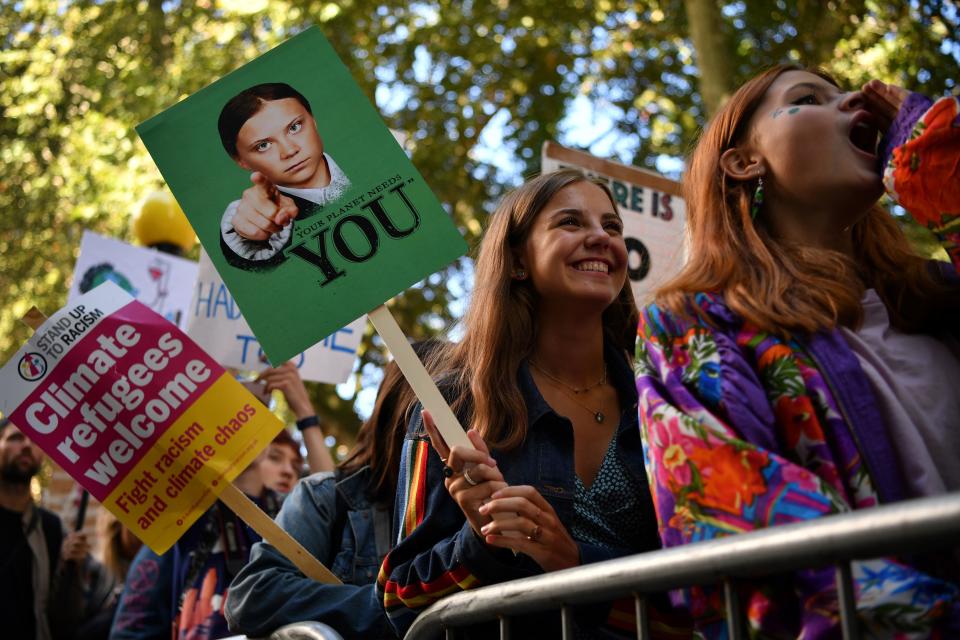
[
  {"x": 33, "y": 318},
  {"x": 418, "y": 378},
  {"x": 249, "y": 512},
  {"x": 270, "y": 531}
]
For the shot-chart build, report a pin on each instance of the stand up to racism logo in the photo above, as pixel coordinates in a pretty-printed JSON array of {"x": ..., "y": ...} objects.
[{"x": 32, "y": 366}]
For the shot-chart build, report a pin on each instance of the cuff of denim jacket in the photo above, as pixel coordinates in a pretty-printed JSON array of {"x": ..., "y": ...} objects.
[
  {"x": 490, "y": 564},
  {"x": 912, "y": 109}
]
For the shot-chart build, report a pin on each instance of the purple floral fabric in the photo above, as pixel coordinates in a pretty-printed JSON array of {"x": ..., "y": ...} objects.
[{"x": 744, "y": 430}]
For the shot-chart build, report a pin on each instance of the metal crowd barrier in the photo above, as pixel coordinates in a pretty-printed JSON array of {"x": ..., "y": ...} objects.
[{"x": 906, "y": 527}]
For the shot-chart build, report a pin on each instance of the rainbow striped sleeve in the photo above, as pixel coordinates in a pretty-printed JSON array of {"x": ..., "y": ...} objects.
[
  {"x": 428, "y": 561},
  {"x": 412, "y": 488}
]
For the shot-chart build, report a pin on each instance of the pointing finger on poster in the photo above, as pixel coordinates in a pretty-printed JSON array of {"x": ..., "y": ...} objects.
[
  {"x": 263, "y": 210},
  {"x": 275, "y": 206}
]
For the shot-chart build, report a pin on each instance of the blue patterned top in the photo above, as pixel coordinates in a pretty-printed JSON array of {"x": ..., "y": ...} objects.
[{"x": 610, "y": 513}]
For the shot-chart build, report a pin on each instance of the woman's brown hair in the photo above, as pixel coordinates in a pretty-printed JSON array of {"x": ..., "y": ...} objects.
[
  {"x": 780, "y": 287},
  {"x": 499, "y": 326},
  {"x": 380, "y": 439}
]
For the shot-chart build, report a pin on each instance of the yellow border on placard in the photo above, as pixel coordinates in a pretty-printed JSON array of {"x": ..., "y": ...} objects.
[{"x": 213, "y": 412}]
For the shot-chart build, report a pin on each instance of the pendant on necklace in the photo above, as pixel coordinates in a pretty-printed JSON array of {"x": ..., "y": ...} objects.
[{"x": 598, "y": 416}]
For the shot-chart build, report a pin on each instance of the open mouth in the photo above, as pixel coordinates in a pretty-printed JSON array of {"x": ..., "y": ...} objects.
[
  {"x": 596, "y": 266},
  {"x": 864, "y": 134}
]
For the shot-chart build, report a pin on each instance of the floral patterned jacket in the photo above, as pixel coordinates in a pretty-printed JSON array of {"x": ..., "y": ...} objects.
[{"x": 744, "y": 430}]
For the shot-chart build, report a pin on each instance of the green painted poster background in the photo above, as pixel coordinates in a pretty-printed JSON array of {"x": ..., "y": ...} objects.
[{"x": 286, "y": 307}]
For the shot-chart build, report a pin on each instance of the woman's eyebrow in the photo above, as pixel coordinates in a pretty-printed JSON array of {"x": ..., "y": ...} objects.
[
  {"x": 812, "y": 86},
  {"x": 566, "y": 211}
]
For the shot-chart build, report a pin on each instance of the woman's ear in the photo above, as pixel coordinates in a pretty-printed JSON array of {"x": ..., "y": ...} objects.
[
  {"x": 519, "y": 266},
  {"x": 740, "y": 163}
]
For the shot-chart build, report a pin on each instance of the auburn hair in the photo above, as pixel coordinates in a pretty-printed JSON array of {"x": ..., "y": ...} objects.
[
  {"x": 499, "y": 325},
  {"x": 781, "y": 287}
]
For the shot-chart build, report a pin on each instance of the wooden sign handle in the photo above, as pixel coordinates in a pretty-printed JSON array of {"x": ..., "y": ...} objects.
[
  {"x": 418, "y": 378},
  {"x": 33, "y": 318},
  {"x": 270, "y": 531},
  {"x": 425, "y": 388},
  {"x": 249, "y": 512}
]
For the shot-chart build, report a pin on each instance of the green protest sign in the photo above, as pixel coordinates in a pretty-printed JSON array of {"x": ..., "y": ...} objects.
[{"x": 311, "y": 212}]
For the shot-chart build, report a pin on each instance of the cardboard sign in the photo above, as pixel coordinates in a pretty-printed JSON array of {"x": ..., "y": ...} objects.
[
  {"x": 134, "y": 411},
  {"x": 654, "y": 215},
  {"x": 161, "y": 281},
  {"x": 214, "y": 321},
  {"x": 293, "y": 131}
]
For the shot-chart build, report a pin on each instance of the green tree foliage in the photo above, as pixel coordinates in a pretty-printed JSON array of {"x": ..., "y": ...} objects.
[{"x": 476, "y": 87}]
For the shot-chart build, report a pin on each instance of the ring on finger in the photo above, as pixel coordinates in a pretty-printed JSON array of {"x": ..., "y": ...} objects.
[
  {"x": 535, "y": 534},
  {"x": 447, "y": 472},
  {"x": 470, "y": 481}
]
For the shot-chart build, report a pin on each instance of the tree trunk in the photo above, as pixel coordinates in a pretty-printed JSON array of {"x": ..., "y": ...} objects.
[{"x": 714, "y": 54}]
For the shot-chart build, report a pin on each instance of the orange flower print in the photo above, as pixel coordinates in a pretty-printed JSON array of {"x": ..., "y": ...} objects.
[
  {"x": 797, "y": 417},
  {"x": 775, "y": 352},
  {"x": 932, "y": 192},
  {"x": 731, "y": 478}
]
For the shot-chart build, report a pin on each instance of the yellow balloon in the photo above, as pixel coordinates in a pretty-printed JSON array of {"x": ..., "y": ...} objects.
[{"x": 161, "y": 220}]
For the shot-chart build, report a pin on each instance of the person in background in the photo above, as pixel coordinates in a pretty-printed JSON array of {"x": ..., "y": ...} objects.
[
  {"x": 184, "y": 589},
  {"x": 806, "y": 361},
  {"x": 286, "y": 378},
  {"x": 345, "y": 522},
  {"x": 35, "y": 603},
  {"x": 282, "y": 463},
  {"x": 104, "y": 580}
]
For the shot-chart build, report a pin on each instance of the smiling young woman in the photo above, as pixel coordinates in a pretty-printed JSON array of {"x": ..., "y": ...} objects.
[
  {"x": 805, "y": 361},
  {"x": 543, "y": 380}
]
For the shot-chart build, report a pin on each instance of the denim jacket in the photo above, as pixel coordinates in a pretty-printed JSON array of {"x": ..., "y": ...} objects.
[
  {"x": 270, "y": 591},
  {"x": 438, "y": 552}
]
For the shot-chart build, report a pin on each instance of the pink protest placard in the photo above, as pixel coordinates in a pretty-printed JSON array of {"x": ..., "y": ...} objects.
[{"x": 134, "y": 411}]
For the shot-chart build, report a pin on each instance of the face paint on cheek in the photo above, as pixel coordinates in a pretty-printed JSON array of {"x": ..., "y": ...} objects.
[
  {"x": 776, "y": 113},
  {"x": 793, "y": 110}
]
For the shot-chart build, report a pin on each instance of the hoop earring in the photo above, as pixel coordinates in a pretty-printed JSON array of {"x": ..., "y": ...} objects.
[
  {"x": 519, "y": 274},
  {"x": 757, "y": 199}
]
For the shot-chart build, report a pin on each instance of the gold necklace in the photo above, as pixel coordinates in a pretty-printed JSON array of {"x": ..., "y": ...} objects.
[
  {"x": 576, "y": 390},
  {"x": 597, "y": 414}
]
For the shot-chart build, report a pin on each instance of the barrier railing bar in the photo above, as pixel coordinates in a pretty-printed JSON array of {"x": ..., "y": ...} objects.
[
  {"x": 566, "y": 621},
  {"x": 847, "y": 602},
  {"x": 451, "y": 633},
  {"x": 504, "y": 628},
  {"x": 643, "y": 617},
  {"x": 922, "y": 523},
  {"x": 731, "y": 602}
]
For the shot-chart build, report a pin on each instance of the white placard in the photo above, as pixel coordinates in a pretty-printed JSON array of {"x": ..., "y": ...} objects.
[
  {"x": 159, "y": 280},
  {"x": 214, "y": 321},
  {"x": 654, "y": 215}
]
